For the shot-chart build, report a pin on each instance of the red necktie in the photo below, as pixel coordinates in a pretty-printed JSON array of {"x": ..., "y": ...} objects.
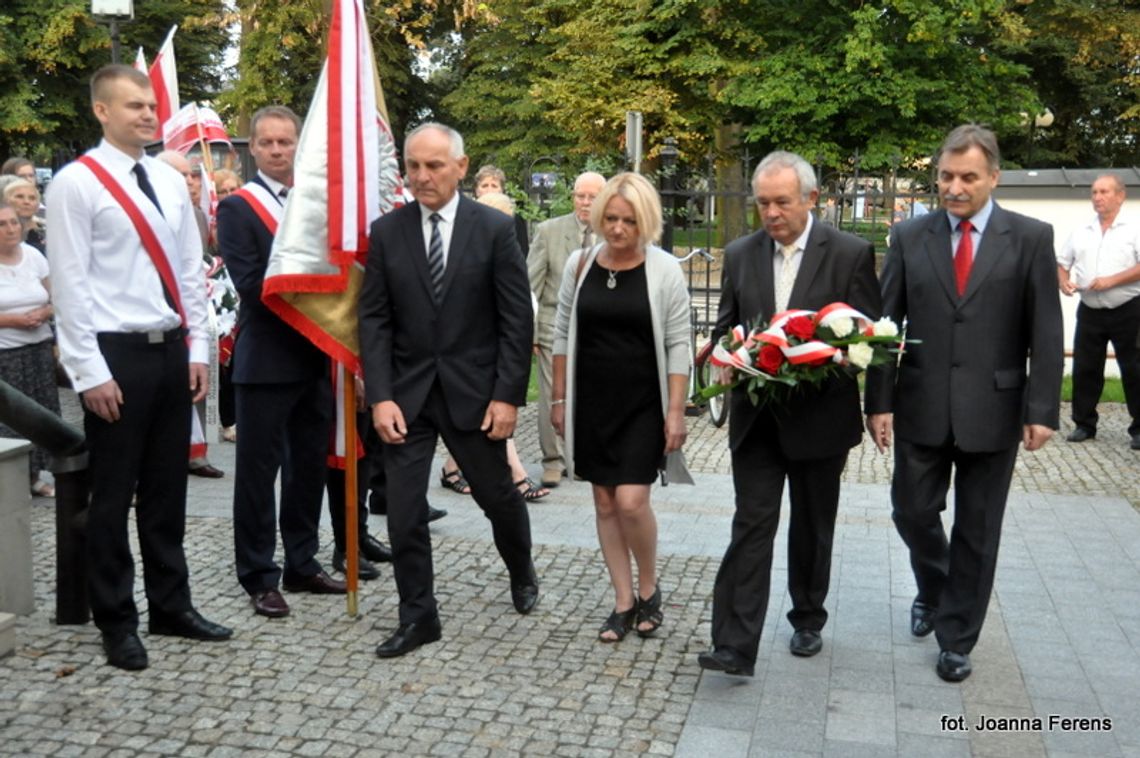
[{"x": 964, "y": 256}]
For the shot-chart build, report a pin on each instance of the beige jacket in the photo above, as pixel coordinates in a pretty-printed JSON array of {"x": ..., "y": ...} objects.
[{"x": 554, "y": 241}]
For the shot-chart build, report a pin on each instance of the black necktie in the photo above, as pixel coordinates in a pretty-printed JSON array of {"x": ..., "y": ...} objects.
[
  {"x": 145, "y": 186},
  {"x": 435, "y": 256},
  {"x": 284, "y": 193}
]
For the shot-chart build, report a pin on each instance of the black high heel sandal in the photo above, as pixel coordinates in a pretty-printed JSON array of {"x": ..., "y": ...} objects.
[
  {"x": 649, "y": 612},
  {"x": 619, "y": 623}
]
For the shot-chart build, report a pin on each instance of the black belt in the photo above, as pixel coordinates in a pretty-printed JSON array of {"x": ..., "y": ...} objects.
[{"x": 152, "y": 337}]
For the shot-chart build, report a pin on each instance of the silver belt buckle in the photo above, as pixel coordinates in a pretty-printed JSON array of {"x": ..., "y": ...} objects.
[{"x": 155, "y": 337}]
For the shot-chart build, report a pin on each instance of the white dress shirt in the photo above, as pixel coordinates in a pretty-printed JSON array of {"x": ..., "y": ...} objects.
[
  {"x": 446, "y": 225},
  {"x": 978, "y": 223},
  {"x": 778, "y": 259},
  {"x": 102, "y": 278},
  {"x": 1089, "y": 253}
]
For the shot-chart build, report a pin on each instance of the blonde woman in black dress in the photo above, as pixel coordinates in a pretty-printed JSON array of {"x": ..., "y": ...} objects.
[{"x": 621, "y": 373}]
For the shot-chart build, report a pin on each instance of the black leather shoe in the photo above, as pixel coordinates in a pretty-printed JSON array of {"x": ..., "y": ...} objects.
[
  {"x": 188, "y": 624},
  {"x": 922, "y": 618},
  {"x": 125, "y": 651},
  {"x": 435, "y": 514},
  {"x": 525, "y": 597},
  {"x": 953, "y": 667},
  {"x": 806, "y": 643},
  {"x": 1135, "y": 443},
  {"x": 319, "y": 583},
  {"x": 269, "y": 603},
  {"x": 726, "y": 660},
  {"x": 375, "y": 550},
  {"x": 364, "y": 568},
  {"x": 408, "y": 637},
  {"x": 1080, "y": 434},
  {"x": 207, "y": 471}
]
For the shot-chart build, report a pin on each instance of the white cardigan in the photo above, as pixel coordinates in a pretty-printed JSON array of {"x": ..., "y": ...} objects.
[{"x": 669, "y": 311}]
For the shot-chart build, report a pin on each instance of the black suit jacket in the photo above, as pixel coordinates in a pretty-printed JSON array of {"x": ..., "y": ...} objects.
[
  {"x": 476, "y": 340},
  {"x": 967, "y": 380},
  {"x": 836, "y": 267},
  {"x": 266, "y": 350}
]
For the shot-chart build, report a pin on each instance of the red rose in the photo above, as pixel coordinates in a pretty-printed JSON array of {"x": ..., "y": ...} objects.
[
  {"x": 769, "y": 359},
  {"x": 800, "y": 327}
]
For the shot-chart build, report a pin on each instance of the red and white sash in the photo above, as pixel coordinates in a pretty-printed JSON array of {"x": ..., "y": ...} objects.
[
  {"x": 267, "y": 207},
  {"x": 156, "y": 238}
]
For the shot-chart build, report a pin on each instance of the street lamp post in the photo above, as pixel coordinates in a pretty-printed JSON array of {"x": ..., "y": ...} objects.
[{"x": 111, "y": 13}]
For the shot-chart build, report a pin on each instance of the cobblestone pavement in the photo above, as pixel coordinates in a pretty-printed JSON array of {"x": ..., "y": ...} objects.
[{"x": 1063, "y": 636}]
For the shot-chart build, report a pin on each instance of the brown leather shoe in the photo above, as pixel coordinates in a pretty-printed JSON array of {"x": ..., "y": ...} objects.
[
  {"x": 319, "y": 583},
  {"x": 269, "y": 603}
]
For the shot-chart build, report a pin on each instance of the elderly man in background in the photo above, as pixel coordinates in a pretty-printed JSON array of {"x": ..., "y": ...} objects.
[
  {"x": 554, "y": 240},
  {"x": 1101, "y": 261}
]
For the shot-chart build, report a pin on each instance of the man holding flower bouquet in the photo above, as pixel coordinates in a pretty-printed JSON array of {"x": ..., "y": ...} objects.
[
  {"x": 801, "y": 434},
  {"x": 977, "y": 286}
]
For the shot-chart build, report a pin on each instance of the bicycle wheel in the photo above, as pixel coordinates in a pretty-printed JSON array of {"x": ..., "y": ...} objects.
[
  {"x": 718, "y": 408},
  {"x": 718, "y": 404}
]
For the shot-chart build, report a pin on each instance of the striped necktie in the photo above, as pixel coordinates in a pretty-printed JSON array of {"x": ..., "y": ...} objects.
[{"x": 435, "y": 256}]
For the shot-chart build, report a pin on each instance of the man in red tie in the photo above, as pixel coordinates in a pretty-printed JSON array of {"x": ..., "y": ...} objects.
[{"x": 976, "y": 286}]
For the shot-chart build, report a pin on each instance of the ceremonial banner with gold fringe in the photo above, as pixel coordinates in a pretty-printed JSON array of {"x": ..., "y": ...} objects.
[{"x": 345, "y": 176}]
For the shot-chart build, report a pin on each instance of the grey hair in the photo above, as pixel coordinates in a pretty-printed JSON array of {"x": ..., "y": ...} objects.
[
  {"x": 1116, "y": 181},
  {"x": 963, "y": 137},
  {"x": 781, "y": 159},
  {"x": 454, "y": 137}
]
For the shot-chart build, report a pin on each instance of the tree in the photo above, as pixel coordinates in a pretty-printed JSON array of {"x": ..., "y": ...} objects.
[{"x": 50, "y": 48}]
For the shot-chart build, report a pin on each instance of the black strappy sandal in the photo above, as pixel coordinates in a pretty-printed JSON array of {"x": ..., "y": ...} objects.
[
  {"x": 619, "y": 622},
  {"x": 649, "y": 612},
  {"x": 529, "y": 490},
  {"x": 454, "y": 481}
]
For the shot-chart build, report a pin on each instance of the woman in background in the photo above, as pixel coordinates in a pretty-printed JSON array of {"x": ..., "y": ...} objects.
[
  {"x": 24, "y": 198},
  {"x": 26, "y": 360}
]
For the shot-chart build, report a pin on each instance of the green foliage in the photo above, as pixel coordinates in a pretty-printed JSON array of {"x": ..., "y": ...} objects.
[{"x": 50, "y": 48}]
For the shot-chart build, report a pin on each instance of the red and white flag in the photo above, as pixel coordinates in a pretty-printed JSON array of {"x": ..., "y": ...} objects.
[
  {"x": 140, "y": 61},
  {"x": 208, "y": 201},
  {"x": 164, "y": 80},
  {"x": 193, "y": 124},
  {"x": 346, "y": 175}
]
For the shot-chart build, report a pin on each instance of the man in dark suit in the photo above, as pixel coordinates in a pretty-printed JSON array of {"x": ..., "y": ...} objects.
[
  {"x": 282, "y": 390},
  {"x": 795, "y": 262},
  {"x": 445, "y": 336},
  {"x": 962, "y": 396}
]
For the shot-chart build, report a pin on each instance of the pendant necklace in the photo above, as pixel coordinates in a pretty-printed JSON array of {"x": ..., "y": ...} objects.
[{"x": 611, "y": 283}]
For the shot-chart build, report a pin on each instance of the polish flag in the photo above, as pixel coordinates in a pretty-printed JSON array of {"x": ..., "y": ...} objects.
[
  {"x": 164, "y": 80},
  {"x": 140, "y": 61},
  {"x": 193, "y": 124}
]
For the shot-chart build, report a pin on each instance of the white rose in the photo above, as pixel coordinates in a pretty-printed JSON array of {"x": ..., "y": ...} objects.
[
  {"x": 841, "y": 326},
  {"x": 884, "y": 327},
  {"x": 860, "y": 354}
]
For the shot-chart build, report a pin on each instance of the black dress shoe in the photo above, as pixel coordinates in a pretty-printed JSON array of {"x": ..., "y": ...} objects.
[
  {"x": 922, "y": 618},
  {"x": 408, "y": 637},
  {"x": 188, "y": 624},
  {"x": 375, "y": 550},
  {"x": 1135, "y": 443},
  {"x": 953, "y": 667},
  {"x": 1080, "y": 434},
  {"x": 435, "y": 514},
  {"x": 726, "y": 660},
  {"x": 207, "y": 472},
  {"x": 806, "y": 643},
  {"x": 319, "y": 583},
  {"x": 124, "y": 651},
  {"x": 269, "y": 603},
  {"x": 364, "y": 568},
  {"x": 525, "y": 597}
]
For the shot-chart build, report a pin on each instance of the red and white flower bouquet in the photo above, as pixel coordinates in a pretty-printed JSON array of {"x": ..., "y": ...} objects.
[{"x": 801, "y": 346}]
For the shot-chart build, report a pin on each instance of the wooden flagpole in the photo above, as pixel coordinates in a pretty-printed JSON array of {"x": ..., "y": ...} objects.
[{"x": 351, "y": 503}]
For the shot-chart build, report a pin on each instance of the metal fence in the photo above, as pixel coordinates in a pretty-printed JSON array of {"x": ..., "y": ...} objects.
[{"x": 711, "y": 205}]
